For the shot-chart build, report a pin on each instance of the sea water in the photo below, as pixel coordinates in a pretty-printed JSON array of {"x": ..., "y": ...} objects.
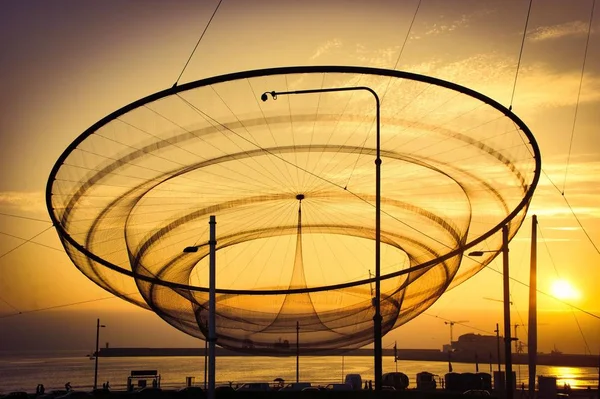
[{"x": 24, "y": 371}]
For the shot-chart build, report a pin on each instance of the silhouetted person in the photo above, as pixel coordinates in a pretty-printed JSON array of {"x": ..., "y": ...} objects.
[
  {"x": 154, "y": 384},
  {"x": 366, "y": 386},
  {"x": 370, "y": 385},
  {"x": 107, "y": 385},
  {"x": 68, "y": 386}
]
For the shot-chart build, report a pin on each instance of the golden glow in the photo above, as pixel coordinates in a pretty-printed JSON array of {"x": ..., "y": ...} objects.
[{"x": 562, "y": 289}]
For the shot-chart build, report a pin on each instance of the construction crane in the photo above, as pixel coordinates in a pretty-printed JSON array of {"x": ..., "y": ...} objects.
[
  {"x": 451, "y": 324},
  {"x": 495, "y": 300}
]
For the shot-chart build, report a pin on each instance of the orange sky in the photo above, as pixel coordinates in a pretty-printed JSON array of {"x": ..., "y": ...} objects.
[{"x": 65, "y": 65}]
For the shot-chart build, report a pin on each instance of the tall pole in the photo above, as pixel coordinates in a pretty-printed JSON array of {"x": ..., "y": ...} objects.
[
  {"x": 211, "y": 308},
  {"x": 96, "y": 353},
  {"x": 377, "y": 319},
  {"x": 378, "y": 369},
  {"x": 396, "y": 356},
  {"x": 297, "y": 351},
  {"x": 497, "y": 330},
  {"x": 532, "y": 333},
  {"x": 507, "y": 339},
  {"x": 206, "y": 357}
]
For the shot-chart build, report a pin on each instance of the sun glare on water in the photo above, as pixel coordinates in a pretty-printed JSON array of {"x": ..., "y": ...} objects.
[{"x": 562, "y": 289}]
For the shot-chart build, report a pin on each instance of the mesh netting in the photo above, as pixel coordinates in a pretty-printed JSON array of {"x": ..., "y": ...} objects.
[{"x": 291, "y": 182}]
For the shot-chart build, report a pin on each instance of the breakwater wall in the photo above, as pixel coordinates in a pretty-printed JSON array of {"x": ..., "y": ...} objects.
[{"x": 566, "y": 360}]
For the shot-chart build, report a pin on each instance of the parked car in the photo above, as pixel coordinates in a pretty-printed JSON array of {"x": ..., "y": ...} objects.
[
  {"x": 189, "y": 392},
  {"x": 255, "y": 387},
  {"x": 52, "y": 394},
  {"x": 296, "y": 386},
  {"x": 339, "y": 387},
  {"x": 354, "y": 380},
  {"x": 477, "y": 392},
  {"x": 395, "y": 379}
]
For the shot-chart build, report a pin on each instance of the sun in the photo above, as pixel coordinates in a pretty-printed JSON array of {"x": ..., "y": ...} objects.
[{"x": 562, "y": 289}]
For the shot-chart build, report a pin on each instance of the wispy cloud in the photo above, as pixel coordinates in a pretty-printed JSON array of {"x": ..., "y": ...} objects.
[
  {"x": 553, "y": 32},
  {"x": 445, "y": 26},
  {"x": 326, "y": 47},
  {"x": 33, "y": 202},
  {"x": 493, "y": 75}
]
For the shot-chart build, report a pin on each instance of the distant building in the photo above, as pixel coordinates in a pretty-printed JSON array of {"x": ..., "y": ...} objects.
[{"x": 470, "y": 344}]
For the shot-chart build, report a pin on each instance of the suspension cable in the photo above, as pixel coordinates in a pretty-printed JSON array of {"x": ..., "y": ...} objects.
[
  {"x": 520, "y": 55},
  {"x": 198, "y": 42},
  {"x": 587, "y": 42}
]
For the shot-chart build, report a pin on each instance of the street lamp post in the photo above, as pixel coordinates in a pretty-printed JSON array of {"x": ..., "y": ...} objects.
[
  {"x": 98, "y": 325},
  {"x": 212, "y": 286},
  {"x": 377, "y": 319},
  {"x": 506, "y": 302}
]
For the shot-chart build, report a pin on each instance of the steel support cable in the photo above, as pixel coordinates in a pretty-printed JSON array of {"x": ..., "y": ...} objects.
[
  {"x": 32, "y": 242},
  {"x": 312, "y": 132},
  {"x": 405, "y": 40},
  {"x": 274, "y": 216},
  {"x": 573, "y": 213},
  {"x": 67, "y": 305},
  {"x": 275, "y": 179},
  {"x": 587, "y": 43},
  {"x": 520, "y": 55},
  {"x": 216, "y": 124},
  {"x": 26, "y": 241},
  {"x": 25, "y": 217},
  {"x": 267, "y": 124},
  {"x": 289, "y": 103},
  {"x": 10, "y": 305},
  {"x": 198, "y": 42}
]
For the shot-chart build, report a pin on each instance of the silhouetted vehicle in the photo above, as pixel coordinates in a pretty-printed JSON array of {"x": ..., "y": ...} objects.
[
  {"x": 255, "y": 387},
  {"x": 296, "y": 386},
  {"x": 52, "y": 394},
  {"x": 148, "y": 392},
  {"x": 426, "y": 381},
  {"x": 313, "y": 389},
  {"x": 189, "y": 392},
  {"x": 395, "y": 379},
  {"x": 354, "y": 380},
  {"x": 339, "y": 387},
  {"x": 477, "y": 392},
  {"x": 75, "y": 395}
]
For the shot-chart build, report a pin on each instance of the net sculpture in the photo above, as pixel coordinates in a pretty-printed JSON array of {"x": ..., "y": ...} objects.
[{"x": 291, "y": 181}]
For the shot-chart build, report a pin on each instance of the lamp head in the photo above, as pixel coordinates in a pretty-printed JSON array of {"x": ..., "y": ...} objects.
[
  {"x": 265, "y": 97},
  {"x": 476, "y": 253},
  {"x": 190, "y": 249}
]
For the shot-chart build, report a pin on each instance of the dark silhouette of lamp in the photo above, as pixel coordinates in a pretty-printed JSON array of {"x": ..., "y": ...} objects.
[
  {"x": 506, "y": 302},
  {"x": 98, "y": 326},
  {"x": 378, "y": 352}
]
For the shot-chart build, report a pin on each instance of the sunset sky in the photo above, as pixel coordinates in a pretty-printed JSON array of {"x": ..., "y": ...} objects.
[{"x": 67, "y": 64}]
